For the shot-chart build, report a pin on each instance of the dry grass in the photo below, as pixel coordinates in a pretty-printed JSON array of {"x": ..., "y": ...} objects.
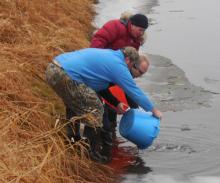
[{"x": 32, "y": 148}]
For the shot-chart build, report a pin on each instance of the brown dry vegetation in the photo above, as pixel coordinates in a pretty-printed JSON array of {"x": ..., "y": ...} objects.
[{"x": 31, "y": 143}]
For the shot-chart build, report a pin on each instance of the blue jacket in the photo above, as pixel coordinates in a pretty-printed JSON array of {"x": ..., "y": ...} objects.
[{"x": 98, "y": 67}]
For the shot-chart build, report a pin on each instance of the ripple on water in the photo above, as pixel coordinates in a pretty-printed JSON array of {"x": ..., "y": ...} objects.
[
  {"x": 190, "y": 150},
  {"x": 172, "y": 147}
]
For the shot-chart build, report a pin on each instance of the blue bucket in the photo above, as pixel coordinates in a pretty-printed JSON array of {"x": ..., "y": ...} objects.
[{"x": 139, "y": 127}]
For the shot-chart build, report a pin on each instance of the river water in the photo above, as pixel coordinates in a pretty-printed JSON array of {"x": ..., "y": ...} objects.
[{"x": 184, "y": 81}]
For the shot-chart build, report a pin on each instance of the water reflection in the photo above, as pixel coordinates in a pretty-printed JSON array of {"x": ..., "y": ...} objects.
[
  {"x": 127, "y": 161},
  {"x": 123, "y": 155}
]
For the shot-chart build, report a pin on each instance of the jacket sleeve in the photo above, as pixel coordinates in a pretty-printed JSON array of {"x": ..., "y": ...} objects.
[
  {"x": 105, "y": 35},
  {"x": 126, "y": 82}
]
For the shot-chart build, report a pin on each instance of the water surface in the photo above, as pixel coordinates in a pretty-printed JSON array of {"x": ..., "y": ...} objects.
[{"x": 184, "y": 81}]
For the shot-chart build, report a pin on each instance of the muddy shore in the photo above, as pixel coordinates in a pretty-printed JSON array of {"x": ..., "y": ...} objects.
[{"x": 168, "y": 86}]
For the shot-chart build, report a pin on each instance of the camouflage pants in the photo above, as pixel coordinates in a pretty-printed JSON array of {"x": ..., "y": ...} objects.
[{"x": 78, "y": 97}]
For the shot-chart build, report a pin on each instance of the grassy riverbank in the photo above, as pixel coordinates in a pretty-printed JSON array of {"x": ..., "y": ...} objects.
[{"x": 32, "y": 148}]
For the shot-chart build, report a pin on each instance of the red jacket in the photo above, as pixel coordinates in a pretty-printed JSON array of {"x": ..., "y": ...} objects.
[{"x": 115, "y": 34}]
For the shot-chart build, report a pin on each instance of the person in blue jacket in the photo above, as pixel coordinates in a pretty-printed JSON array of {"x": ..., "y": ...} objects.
[{"x": 78, "y": 76}]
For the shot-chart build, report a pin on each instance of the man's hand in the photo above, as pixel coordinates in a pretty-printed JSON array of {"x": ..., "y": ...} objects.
[
  {"x": 122, "y": 108},
  {"x": 157, "y": 113}
]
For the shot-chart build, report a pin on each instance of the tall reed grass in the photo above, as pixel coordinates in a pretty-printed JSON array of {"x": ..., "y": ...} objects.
[{"x": 32, "y": 147}]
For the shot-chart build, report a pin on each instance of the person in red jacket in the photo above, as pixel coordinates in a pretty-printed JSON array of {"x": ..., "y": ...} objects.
[
  {"x": 119, "y": 33},
  {"x": 129, "y": 30}
]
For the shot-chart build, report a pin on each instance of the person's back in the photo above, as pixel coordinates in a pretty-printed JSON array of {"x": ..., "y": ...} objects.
[{"x": 93, "y": 66}]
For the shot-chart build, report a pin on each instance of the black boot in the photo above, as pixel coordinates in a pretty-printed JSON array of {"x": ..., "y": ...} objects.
[
  {"x": 93, "y": 136},
  {"x": 72, "y": 130},
  {"x": 107, "y": 143}
]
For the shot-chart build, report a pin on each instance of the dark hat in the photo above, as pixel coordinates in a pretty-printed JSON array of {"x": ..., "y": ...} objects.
[{"x": 139, "y": 20}]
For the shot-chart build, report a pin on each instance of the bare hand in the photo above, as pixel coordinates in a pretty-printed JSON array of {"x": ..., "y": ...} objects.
[
  {"x": 122, "y": 108},
  {"x": 157, "y": 113}
]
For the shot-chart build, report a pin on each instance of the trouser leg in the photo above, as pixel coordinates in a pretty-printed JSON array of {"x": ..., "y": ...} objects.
[
  {"x": 107, "y": 143},
  {"x": 107, "y": 133},
  {"x": 82, "y": 100},
  {"x": 112, "y": 116},
  {"x": 108, "y": 116},
  {"x": 113, "y": 121},
  {"x": 109, "y": 120},
  {"x": 77, "y": 96}
]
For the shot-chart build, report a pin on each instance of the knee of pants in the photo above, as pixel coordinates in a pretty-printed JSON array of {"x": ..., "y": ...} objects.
[
  {"x": 112, "y": 115},
  {"x": 106, "y": 122}
]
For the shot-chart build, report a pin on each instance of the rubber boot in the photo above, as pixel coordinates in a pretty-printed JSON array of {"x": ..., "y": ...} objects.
[
  {"x": 93, "y": 136},
  {"x": 107, "y": 143},
  {"x": 73, "y": 131}
]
